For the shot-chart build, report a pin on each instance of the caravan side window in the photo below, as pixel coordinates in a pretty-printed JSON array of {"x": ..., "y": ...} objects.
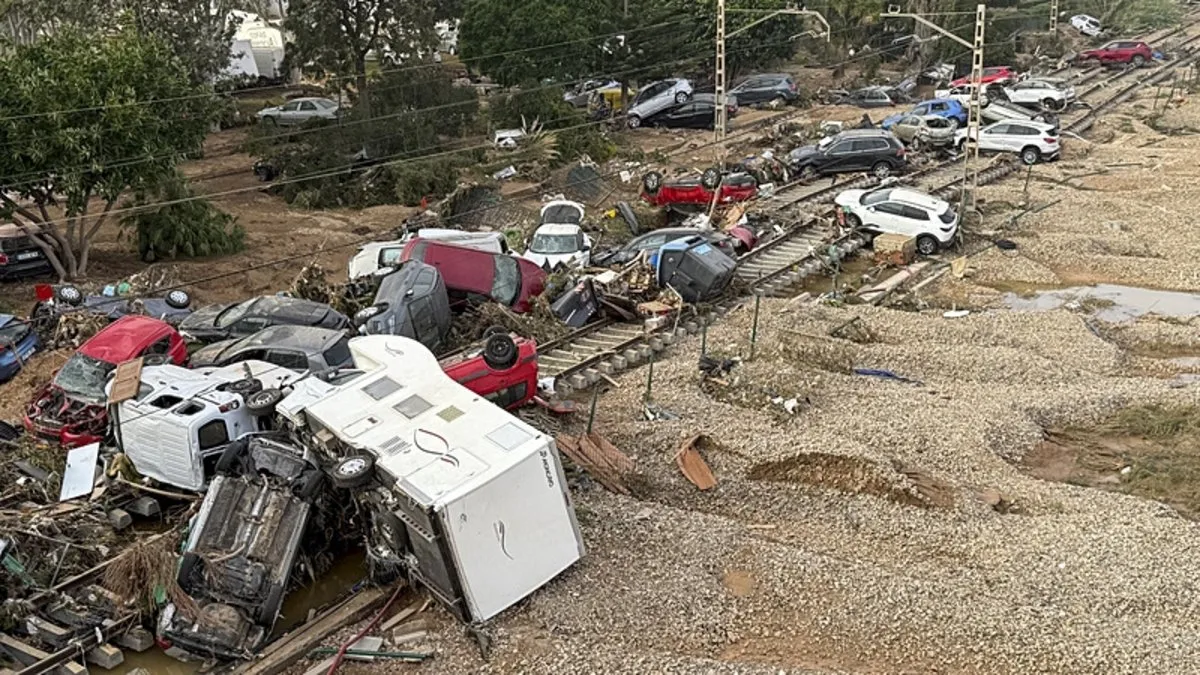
[{"x": 213, "y": 434}]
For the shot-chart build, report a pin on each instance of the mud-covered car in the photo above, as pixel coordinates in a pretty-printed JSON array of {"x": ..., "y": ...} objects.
[
  {"x": 222, "y": 322},
  {"x": 241, "y": 548},
  {"x": 71, "y": 409},
  {"x": 696, "y": 192},
  {"x": 54, "y": 301}
]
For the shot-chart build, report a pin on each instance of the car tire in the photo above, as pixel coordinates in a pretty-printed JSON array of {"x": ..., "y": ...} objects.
[
  {"x": 808, "y": 172},
  {"x": 1051, "y": 104},
  {"x": 262, "y": 403},
  {"x": 500, "y": 352},
  {"x": 682, "y": 97},
  {"x": 269, "y": 610},
  {"x": 652, "y": 182},
  {"x": 954, "y": 123},
  {"x": 353, "y": 471},
  {"x": 1030, "y": 156},
  {"x": 230, "y": 456},
  {"x": 853, "y": 221},
  {"x": 494, "y": 330},
  {"x": 390, "y": 529},
  {"x": 70, "y": 296},
  {"x": 270, "y": 121},
  {"x": 244, "y": 387},
  {"x": 881, "y": 170},
  {"x": 915, "y": 144},
  {"x": 633, "y": 121},
  {"x": 710, "y": 179},
  {"x": 178, "y": 299},
  {"x": 927, "y": 245},
  {"x": 191, "y": 565},
  {"x": 1138, "y": 61}
]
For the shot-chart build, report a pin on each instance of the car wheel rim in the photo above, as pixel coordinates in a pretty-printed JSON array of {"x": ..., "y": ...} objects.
[
  {"x": 926, "y": 247},
  {"x": 882, "y": 171},
  {"x": 177, "y": 297},
  {"x": 260, "y": 398},
  {"x": 352, "y": 467}
]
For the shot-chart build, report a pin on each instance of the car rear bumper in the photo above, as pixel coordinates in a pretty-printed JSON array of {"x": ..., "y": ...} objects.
[{"x": 25, "y": 268}]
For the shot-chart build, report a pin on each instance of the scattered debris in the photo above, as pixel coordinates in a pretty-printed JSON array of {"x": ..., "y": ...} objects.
[
  {"x": 884, "y": 374},
  {"x": 692, "y": 465},
  {"x": 602, "y": 460}
]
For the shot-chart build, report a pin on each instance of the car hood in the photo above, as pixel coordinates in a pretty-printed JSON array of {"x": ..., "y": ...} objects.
[
  {"x": 204, "y": 318},
  {"x": 890, "y": 121},
  {"x": 803, "y": 152},
  {"x": 272, "y": 109},
  {"x": 849, "y": 198},
  {"x": 210, "y": 354}
]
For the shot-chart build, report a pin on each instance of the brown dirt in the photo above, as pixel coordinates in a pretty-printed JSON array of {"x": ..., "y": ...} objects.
[
  {"x": 19, "y": 390},
  {"x": 739, "y": 582},
  {"x": 854, "y": 475}
]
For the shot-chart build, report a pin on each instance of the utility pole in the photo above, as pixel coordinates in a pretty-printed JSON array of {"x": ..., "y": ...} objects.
[
  {"x": 973, "y": 121},
  {"x": 1053, "y": 16},
  {"x": 722, "y": 116}
]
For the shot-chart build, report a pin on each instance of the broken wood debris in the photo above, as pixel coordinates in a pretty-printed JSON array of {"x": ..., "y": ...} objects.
[
  {"x": 600, "y": 458},
  {"x": 692, "y": 465}
]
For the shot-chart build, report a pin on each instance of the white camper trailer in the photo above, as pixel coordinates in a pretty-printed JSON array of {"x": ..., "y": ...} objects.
[
  {"x": 265, "y": 41},
  {"x": 465, "y": 498}
]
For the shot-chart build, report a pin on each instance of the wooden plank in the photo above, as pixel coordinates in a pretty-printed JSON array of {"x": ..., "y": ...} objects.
[
  {"x": 50, "y": 633},
  {"x": 42, "y": 597},
  {"x": 126, "y": 380},
  {"x": 295, "y": 645},
  {"x": 38, "y": 660},
  {"x": 61, "y": 661}
]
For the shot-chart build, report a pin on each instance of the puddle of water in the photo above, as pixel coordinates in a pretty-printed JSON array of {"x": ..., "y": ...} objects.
[
  {"x": 347, "y": 571},
  {"x": 1110, "y": 302}
]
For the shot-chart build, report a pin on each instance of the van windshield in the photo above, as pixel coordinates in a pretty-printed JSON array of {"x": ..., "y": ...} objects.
[
  {"x": 507, "y": 284},
  {"x": 83, "y": 377},
  {"x": 554, "y": 243}
]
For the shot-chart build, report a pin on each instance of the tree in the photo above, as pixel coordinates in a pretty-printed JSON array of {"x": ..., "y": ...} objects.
[
  {"x": 337, "y": 36},
  {"x": 174, "y": 223},
  {"x": 200, "y": 33},
  {"x": 85, "y": 134}
]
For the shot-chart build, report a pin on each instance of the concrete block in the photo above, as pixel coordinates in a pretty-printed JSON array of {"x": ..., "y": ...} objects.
[
  {"x": 618, "y": 362},
  {"x": 605, "y": 367},
  {"x": 106, "y": 656},
  {"x": 578, "y": 381},
  {"x": 592, "y": 375},
  {"x": 147, "y": 507},
  {"x": 137, "y": 638},
  {"x": 119, "y": 519}
]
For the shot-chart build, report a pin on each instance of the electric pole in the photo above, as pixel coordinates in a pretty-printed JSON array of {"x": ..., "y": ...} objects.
[
  {"x": 722, "y": 115},
  {"x": 971, "y": 158},
  {"x": 1053, "y": 16}
]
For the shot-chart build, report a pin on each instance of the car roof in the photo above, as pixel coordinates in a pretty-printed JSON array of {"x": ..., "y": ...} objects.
[
  {"x": 1044, "y": 126},
  {"x": 122, "y": 339},
  {"x": 915, "y": 198},
  {"x": 937, "y": 100},
  {"x": 312, "y": 98},
  {"x": 864, "y": 133},
  {"x": 6, "y": 319},
  {"x": 301, "y": 337}
]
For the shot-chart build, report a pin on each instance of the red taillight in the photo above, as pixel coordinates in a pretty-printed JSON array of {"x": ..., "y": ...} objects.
[
  {"x": 1050, "y": 140},
  {"x": 3, "y": 259},
  {"x": 900, "y": 152},
  {"x": 792, "y": 86}
]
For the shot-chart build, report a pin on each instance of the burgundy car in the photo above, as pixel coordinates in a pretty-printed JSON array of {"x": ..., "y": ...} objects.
[
  {"x": 1131, "y": 52},
  {"x": 71, "y": 409},
  {"x": 506, "y": 279},
  {"x": 698, "y": 191}
]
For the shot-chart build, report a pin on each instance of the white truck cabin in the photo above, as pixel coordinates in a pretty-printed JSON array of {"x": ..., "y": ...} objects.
[
  {"x": 467, "y": 499},
  {"x": 177, "y": 426}
]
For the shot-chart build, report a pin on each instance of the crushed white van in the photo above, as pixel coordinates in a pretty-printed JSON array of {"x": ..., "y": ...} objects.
[
  {"x": 181, "y": 421},
  {"x": 465, "y": 498}
]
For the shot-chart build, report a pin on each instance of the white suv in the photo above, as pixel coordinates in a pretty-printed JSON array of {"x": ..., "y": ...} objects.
[
  {"x": 890, "y": 210},
  {"x": 1037, "y": 93},
  {"x": 1033, "y": 141}
]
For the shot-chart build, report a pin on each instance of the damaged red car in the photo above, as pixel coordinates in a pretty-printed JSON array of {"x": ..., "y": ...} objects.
[
  {"x": 503, "y": 370},
  {"x": 71, "y": 409},
  {"x": 694, "y": 192}
]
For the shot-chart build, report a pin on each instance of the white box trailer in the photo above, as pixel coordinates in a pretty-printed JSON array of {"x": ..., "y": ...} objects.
[{"x": 466, "y": 498}]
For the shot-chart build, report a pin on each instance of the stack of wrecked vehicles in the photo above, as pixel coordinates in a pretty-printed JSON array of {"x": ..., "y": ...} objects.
[{"x": 444, "y": 488}]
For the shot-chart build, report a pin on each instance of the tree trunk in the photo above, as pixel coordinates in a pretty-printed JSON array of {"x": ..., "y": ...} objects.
[{"x": 85, "y": 238}]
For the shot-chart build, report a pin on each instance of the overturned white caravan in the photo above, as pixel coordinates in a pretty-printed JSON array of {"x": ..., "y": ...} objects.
[{"x": 465, "y": 498}]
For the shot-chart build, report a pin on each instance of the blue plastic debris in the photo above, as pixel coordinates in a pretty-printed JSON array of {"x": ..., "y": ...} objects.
[{"x": 884, "y": 374}]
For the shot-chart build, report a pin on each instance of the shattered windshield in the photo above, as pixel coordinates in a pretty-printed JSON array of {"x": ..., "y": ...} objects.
[
  {"x": 550, "y": 244},
  {"x": 84, "y": 377},
  {"x": 227, "y": 318},
  {"x": 507, "y": 283},
  {"x": 13, "y": 333}
]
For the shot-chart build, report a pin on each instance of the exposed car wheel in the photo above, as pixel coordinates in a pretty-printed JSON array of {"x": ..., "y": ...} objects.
[
  {"x": 178, "y": 299},
  {"x": 1030, "y": 155},
  {"x": 681, "y": 97},
  {"x": 710, "y": 179},
  {"x": 808, "y": 173},
  {"x": 927, "y": 245},
  {"x": 1091, "y": 63},
  {"x": 853, "y": 221},
  {"x": 269, "y": 609},
  {"x": 634, "y": 121},
  {"x": 494, "y": 330},
  {"x": 69, "y": 295},
  {"x": 954, "y": 123},
  {"x": 244, "y": 387},
  {"x": 1138, "y": 61},
  {"x": 270, "y": 121},
  {"x": 500, "y": 352},
  {"x": 262, "y": 403},
  {"x": 1051, "y": 104},
  {"x": 230, "y": 456},
  {"x": 390, "y": 531},
  {"x": 353, "y": 471},
  {"x": 881, "y": 170},
  {"x": 651, "y": 182},
  {"x": 915, "y": 144}
]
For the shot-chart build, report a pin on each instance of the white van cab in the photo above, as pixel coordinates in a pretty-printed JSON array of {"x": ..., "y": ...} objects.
[{"x": 181, "y": 421}]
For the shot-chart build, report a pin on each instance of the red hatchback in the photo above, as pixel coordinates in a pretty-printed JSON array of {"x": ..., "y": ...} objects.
[
  {"x": 990, "y": 75},
  {"x": 503, "y": 370},
  {"x": 698, "y": 191},
  {"x": 507, "y": 279},
  {"x": 71, "y": 409}
]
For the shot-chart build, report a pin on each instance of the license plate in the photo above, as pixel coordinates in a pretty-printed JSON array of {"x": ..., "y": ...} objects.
[{"x": 29, "y": 255}]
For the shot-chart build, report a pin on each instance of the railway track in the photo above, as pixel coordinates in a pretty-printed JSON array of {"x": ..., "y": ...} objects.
[{"x": 776, "y": 267}]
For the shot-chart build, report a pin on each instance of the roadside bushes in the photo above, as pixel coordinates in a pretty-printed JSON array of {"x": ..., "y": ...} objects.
[
  {"x": 573, "y": 135},
  {"x": 182, "y": 226}
]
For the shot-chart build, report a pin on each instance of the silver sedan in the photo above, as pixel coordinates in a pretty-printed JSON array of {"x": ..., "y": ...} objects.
[{"x": 299, "y": 110}]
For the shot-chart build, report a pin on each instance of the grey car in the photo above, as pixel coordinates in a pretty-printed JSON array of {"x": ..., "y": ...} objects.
[
  {"x": 298, "y": 348},
  {"x": 298, "y": 111},
  {"x": 920, "y": 131},
  {"x": 656, "y": 97},
  {"x": 774, "y": 89},
  {"x": 411, "y": 301}
]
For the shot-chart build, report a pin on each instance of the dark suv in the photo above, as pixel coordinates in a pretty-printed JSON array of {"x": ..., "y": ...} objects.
[
  {"x": 19, "y": 256},
  {"x": 873, "y": 150},
  {"x": 776, "y": 89}
]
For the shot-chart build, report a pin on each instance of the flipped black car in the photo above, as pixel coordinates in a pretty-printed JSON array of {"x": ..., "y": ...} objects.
[{"x": 222, "y": 322}]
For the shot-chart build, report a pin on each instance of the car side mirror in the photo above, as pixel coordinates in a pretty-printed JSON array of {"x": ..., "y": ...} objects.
[
  {"x": 871, "y": 209},
  {"x": 586, "y": 247}
]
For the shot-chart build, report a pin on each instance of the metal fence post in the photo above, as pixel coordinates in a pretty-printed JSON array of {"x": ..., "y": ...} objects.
[
  {"x": 592, "y": 412},
  {"x": 703, "y": 339},
  {"x": 754, "y": 328},
  {"x": 649, "y": 379}
]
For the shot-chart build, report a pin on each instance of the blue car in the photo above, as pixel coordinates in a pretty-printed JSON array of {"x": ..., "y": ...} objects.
[
  {"x": 942, "y": 107},
  {"x": 18, "y": 342}
]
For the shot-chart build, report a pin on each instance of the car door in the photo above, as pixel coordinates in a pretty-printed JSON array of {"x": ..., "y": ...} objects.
[
  {"x": 885, "y": 217},
  {"x": 991, "y": 138},
  {"x": 288, "y": 112},
  {"x": 914, "y": 221},
  {"x": 752, "y": 92},
  {"x": 702, "y": 115},
  {"x": 307, "y": 111},
  {"x": 678, "y": 117},
  {"x": 837, "y": 157},
  {"x": 862, "y": 155},
  {"x": 907, "y": 128},
  {"x": 939, "y": 108}
]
